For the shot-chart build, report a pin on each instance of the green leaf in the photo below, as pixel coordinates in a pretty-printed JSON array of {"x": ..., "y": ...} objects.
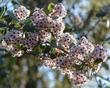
[
  {"x": 53, "y": 50},
  {"x": 37, "y": 50},
  {"x": 2, "y": 31},
  {"x": 53, "y": 41},
  {"x": 17, "y": 25},
  {"x": 106, "y": 66},
  {"x": 2, "y": 11},
  {"x": 50, "y": 7},
  {"x": 27, "y": 21}
]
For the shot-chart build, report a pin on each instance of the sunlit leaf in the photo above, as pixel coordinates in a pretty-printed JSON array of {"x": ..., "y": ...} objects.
[{"x": 50, "y": 7}]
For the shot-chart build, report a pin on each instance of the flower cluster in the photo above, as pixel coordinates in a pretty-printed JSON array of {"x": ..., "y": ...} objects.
[
  {"x": 46, "y": 22},
  {"x": 65, "y": 40},
  {"x": 59, "y": 11},
  {"x": 99, "y": 53},
  {"x": 21, "y": 13},
  {"x": 12, "y": 36},
  {"x": 79, "y": 55},
  {"x": 46, "y": 25},
  {"x": 44, "y": 36},
  {"x": 77, "y": 63},
  {"x": 30, "y": 41},
  {"x": 14, "y": 40}
]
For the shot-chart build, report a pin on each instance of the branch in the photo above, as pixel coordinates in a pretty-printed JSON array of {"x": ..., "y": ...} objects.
[{"x": 102, "y": 77}]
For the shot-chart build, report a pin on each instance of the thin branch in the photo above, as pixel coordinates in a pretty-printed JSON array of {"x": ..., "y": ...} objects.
[{"x": 102, "y": 77}]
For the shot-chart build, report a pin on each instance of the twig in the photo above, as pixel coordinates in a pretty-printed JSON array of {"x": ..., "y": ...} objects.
[{"x": 102, "y": 77}]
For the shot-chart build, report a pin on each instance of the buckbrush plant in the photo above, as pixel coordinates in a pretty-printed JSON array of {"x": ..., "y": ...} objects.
[{"x": 77, "y": 57}]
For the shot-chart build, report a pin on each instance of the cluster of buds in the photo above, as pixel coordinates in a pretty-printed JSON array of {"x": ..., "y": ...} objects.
[
  {"x": 65, "y": 40},
  {"x": 12, "y": 36},
  {"x": 80, "y": 56},
  {"x": 47, "y": 26},
  {"x": 59, "y": 11},
  {"x": 47, "y": 22},
  {"x": 99, "y": 53},
  {"x": 30, "y": 40},
  {"x": 78, "y": 62},
  {"x": 15, "y": 51},
  {"x": 44, "y": 36},
  {"x": 14, "y": 40},
  {"x": 21, "y": 13}
]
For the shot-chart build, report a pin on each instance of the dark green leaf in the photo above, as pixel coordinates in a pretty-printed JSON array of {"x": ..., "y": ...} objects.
[{"x": 106, "y": 66}]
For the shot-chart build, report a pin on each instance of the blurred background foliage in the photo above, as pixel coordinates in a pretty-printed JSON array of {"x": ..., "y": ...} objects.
[{"x": 85, "y": 18}]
